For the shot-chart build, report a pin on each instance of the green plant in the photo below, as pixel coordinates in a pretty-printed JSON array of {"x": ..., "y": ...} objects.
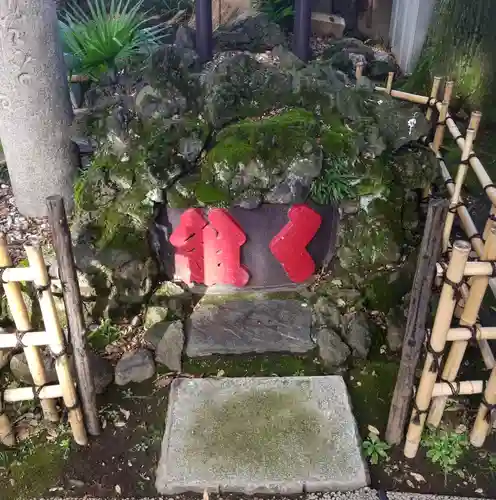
[
  {"x": 103, "y": 40},
  {"x": 445, "y": 447},
  {"x": 375, "y": 449},
  {"x": 104, "y": 335},
  {"x": 278, "y": 11},
  {"x": 334, "y": 184}
]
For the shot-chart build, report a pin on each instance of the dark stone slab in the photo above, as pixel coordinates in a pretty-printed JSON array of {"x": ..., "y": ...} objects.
[
  {"x": 240, "y": 327},
  {"x": 260, "y": 226}
]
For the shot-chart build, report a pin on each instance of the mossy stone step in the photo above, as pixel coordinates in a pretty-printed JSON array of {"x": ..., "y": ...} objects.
[
  {"x": 249, "y": 326},
  {"x": 260, "y": 435}
]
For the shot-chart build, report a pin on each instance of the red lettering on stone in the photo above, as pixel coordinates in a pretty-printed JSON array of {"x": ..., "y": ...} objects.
[
  {"x": 222, "y": 240},
  {"x": 289, "y": 245},
  {"x": 187, "y": 238}
]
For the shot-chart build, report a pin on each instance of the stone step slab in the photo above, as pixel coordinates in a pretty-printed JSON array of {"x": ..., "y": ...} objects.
[
  {"x": 249, "y": 326},
  {"x": 260, "y": 435}
]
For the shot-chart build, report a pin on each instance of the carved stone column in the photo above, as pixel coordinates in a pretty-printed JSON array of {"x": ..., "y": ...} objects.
[{"x": 35, "y": 109}]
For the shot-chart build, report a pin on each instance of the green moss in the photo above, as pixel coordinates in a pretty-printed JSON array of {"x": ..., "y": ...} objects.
[
  {"x": 282, "y": 365},
  {"x": 252, "y": 154},
  {"x": 253, "y": 429},
  {"x": 32, "y": 473},
  {"x": 371, "y": 387}
]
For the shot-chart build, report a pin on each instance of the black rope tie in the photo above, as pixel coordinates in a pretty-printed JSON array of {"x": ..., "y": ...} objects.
[
  {"x": 458, "y": 137},
  {"x": 492, "y": 217},
  {"x": 437, "y": 357},
  {"x": 488, "y": 187},
  {"x": 449, "y": 181},
  {"x": 490, "y": 408},
  {"x": 454, "y": 386},
  {"x": 37, "y": 390},
  {"x": 441, "y": 122},
  {"x": 457, "y": 292},
  {"x": 20, "y": 338},
  {"x": 418, "y": 413},
  {"x": 476, "y": 236},
  {"x": 474, "y": 330},
  {"x": 57, "y": 355},
  {"x": 42, "y": 288},
  {"x": 455, "y": 207},
  {"x": 2, "y": 403}
]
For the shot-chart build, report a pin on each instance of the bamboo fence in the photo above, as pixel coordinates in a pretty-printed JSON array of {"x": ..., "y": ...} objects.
[
  {"x": 466, "y": 270},
  {"x": 31, "y": 341}
]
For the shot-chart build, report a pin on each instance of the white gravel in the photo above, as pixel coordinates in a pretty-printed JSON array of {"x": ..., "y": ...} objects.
[{"x": 362, "y": 494}]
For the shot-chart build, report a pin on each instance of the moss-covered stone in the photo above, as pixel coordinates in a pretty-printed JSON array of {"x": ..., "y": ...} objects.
[
  {"x": 260, "y": 155},
  {"x": 237, "y": 86}
]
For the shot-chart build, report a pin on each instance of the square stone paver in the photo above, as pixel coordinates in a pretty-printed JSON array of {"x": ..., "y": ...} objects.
[{"x": 260, "y": 435}]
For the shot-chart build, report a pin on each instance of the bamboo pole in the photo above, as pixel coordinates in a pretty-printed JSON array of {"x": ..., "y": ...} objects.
[
  {"x": 72, "y": 299},
  {"x": 18, "y": 274},
  {"x": 446, "y": 307},
  {"x": 47, "y": 306},
  {"x": 359, "y": 71},
  {"x": 406, "y": 96},
  {"x": 48, "y": 393},
  {"x": 471, "y": 269},
  {"x": 434, "y": 92},
  {"x": 457, "y": 188},
  {"x": 465, "y": 388},
  {"x": 482, "y": 333},
  {"x": 23, "y": 324},
  {"x": 469, "y": 318},
  {"x": 482, "y": 423},
  {"x": 7, "y": 436},
  {"x": 36, "y": 339},
  {"x": 418, "y": 309},
  {"x": 389, "y": 82},
  {"x": 443, "y": 113}
]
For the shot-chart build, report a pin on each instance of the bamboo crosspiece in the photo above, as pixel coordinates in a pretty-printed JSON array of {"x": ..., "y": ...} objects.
[
  {"x": 31, "y": 341},
  {"x": 436, "y": 344}
]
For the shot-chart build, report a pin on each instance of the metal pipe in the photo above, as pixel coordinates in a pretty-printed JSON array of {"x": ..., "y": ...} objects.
[
  {"x": 302, "y": 28},
  {"x": 204, "y": 30}
]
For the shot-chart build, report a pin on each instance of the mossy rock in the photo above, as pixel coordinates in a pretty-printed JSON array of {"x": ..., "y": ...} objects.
[
  {"x": 238, "y": 86},
  {"x": 260, "y": 155}
]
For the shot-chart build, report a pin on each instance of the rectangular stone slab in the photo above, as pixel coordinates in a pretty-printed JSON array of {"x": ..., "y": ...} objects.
[
  {"x": 249, "y": 326},
  {"x": 260, "y": 435}
]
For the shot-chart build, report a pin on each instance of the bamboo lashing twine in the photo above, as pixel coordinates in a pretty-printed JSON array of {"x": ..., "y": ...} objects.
[
  {"x": 436, "y": 344},
  {"x": 62, "y": 367},
  {"x": 23, "y": 324},
  {"x": 469, "y": 321}
]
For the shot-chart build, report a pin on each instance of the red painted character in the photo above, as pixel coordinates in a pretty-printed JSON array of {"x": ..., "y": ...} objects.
[
  {"x": 289, "y": 245},
  {"x": 222, "y": 240},
  {"x": 187, "y": 238}
]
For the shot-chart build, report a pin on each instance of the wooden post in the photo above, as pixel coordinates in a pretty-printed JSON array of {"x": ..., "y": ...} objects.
[
  {"x": 435, "y": 89},
  {"x": 204, "y": 30},
  {"x": 417, "y": 313},
  {"x": 437, "y": 343},
  {"x": 443, "y": 114},
  {"x": 302, "y": 29},
  {"x": 20, "y": 316},
  {"x": 62, "y": 367},
  {"x": 62, "y": 244},
  {"x": 469, "y": 319}
]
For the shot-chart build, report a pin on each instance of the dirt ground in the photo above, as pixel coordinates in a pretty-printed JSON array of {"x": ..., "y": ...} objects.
[{"x": 122, "y": 460}]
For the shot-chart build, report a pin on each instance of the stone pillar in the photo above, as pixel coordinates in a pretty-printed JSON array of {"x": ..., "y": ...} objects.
[{"x": 35, "y": 109}]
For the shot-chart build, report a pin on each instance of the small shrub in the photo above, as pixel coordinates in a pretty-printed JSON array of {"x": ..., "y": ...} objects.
[
  {"x": 334, "y": 184},
  {"x": 278, "y": 11},
  {"x": 445, "y": 448},
  {"x": 104, "y": 335},
  {"x": 375, "y": 449},
  {"x": 103, "y": 40}
]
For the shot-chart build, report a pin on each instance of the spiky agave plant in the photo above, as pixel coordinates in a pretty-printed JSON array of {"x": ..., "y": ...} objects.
[{"x": 102, "y": 40}]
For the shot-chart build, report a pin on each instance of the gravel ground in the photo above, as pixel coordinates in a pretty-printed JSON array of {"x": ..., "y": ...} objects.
[{"x": 363, "y": 494}]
